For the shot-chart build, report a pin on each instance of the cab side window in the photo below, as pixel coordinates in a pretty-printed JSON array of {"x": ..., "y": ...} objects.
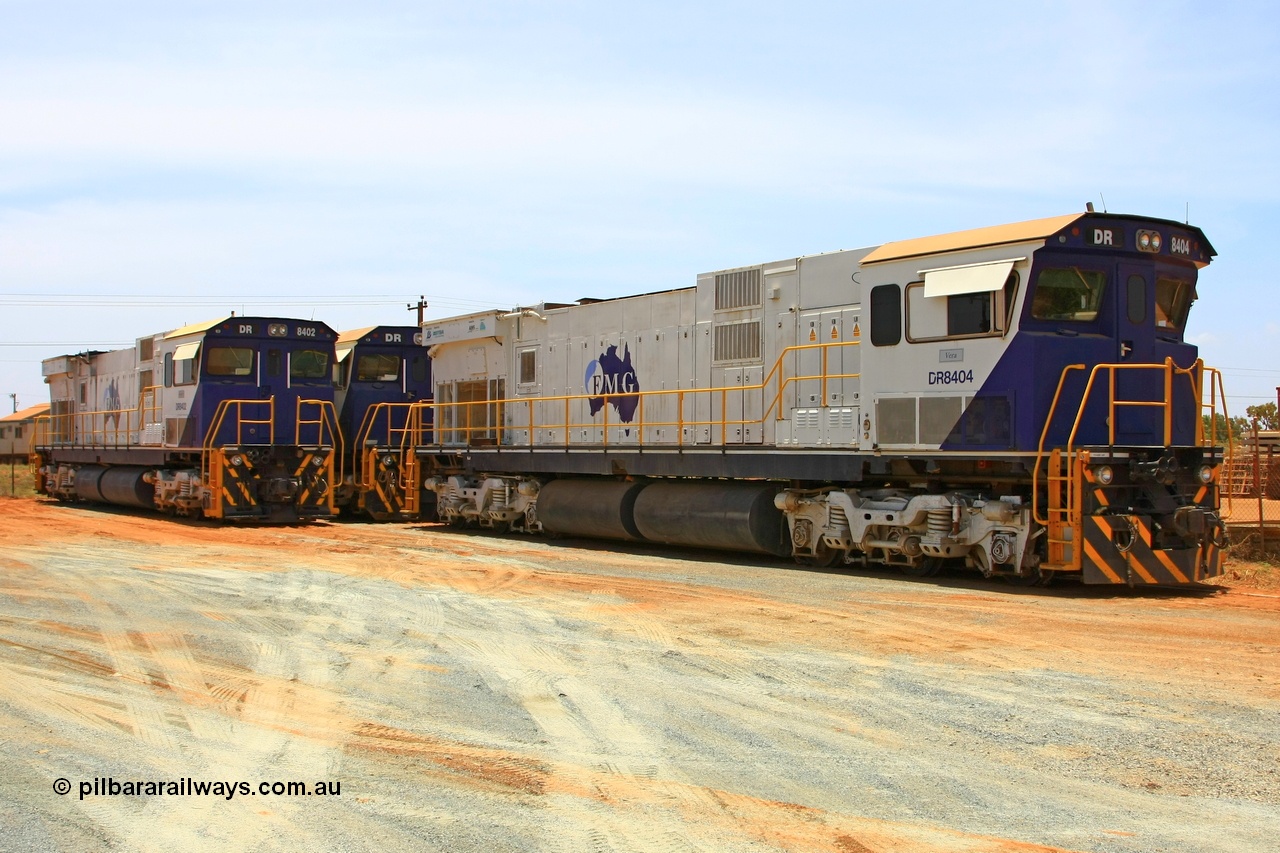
[
  {"x": 886, "y": 315},
  {"x": 968, "y": 314}
]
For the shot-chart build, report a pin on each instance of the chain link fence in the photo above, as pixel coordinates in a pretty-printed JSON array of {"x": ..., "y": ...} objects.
[{"x": 1251, "y": 490}]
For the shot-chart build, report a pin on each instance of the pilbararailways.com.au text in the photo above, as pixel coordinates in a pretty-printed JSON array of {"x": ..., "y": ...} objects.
[{"x": 188, "y": 787}]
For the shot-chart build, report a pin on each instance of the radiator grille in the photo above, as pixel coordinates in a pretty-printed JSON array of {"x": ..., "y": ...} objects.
[
  {"x": 737, "y": 341},
  {"x": 738, "y": 289}
]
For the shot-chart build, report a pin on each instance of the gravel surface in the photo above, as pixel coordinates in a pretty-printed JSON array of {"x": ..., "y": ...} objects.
[{"x": 474, "y": 693}]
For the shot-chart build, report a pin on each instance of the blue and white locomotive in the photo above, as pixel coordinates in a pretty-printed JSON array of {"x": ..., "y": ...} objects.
[
  {"x": 380, "y": 373},
  {"x": 231, "y": 419},
  {"x": 1017, "y": 399}
]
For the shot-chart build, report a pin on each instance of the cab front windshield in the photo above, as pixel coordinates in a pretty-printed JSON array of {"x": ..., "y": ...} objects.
[
  {"x": 1072, "y": 294},
  {"x": 373, "y": 367},
  {"x": 308, "y": 364},
  {"x": 229, "y": 361}
]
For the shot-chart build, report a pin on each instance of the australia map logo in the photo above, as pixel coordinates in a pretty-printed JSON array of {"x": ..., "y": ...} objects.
[
  {"x": 613, "y": 377},
  {"x": 111, "y": 404}
]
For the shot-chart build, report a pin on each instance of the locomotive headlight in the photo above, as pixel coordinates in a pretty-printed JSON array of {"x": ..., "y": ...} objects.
[
  {"x": 237, "y": 461},
  {"x": 1104, "y": 475},
  {"x": 1149, "y": 241},
  {"x": 1155, "y": 242},
  {"x": 1205, "y": 474},
  {"x": 1144, "y": 241},
  {"x": 278, "y": 330}
]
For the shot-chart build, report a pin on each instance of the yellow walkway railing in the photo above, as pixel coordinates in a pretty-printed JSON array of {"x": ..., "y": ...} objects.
[
  {"x": 469, "y": 422},
  {"x": 1064, "y": 467}
]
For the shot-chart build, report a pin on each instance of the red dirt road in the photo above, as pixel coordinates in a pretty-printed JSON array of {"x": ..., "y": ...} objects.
[{"x": 479, "y": 693}]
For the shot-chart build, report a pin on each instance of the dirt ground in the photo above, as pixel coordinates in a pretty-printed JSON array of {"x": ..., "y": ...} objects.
[{"x": 477, "y": 693}]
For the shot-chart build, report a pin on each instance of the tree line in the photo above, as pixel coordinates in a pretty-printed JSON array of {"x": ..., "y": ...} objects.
[{"x": 1266, "y": 415}]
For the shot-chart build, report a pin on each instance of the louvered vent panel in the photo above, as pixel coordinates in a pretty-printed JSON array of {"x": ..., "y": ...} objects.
[
  {"x": 738, "y": 289},
  {"x": 737, "y": 341},
  {"x": 807, "y": 418}
]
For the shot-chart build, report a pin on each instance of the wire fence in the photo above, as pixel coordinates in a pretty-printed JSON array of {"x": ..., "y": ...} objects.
[
  {"x": 1251, "y": 490},
  {"x": 16, "y": 477}
]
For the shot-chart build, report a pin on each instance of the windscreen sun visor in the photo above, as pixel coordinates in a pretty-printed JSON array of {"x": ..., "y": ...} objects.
[
  {"x": 969, "y": 278},
  {"x": 186, "y": 351}
]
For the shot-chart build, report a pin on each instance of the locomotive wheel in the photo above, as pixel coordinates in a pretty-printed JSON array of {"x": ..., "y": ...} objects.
[
  {"x": 823, "y": 556},
  {"x": 926, "y": 568},
  {"x": 1035, "y": 577}
]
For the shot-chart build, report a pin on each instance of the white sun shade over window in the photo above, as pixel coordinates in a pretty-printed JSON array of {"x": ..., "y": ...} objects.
[
  {"x": 185, "y": 351},
  {"x": 970, "y": 278}
]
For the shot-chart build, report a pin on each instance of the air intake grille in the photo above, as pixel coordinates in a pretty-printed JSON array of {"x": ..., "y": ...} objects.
[
  {"x": 737, "y": 341},
  {"x": 738, "y": 289}
]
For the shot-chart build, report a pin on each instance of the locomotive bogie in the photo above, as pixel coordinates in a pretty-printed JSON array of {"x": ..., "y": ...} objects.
[
  {"x": 899, "y": 527},
  {"x": 178, "y": 491},
  {"x": 498, "y": 503}
]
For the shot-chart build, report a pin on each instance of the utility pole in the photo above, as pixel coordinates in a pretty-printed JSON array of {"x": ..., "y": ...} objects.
[
  {"x": 13, "y": 490},
  {"x": 422, "y": 304}
]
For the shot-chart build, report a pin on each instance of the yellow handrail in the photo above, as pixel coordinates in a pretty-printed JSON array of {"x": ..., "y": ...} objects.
[
  {"x": 1216, "y": 391},
  {"x": 220, "y": 415},
  {"x": 42, "y": 426},
  {"x": 449, "y": 425},
  {"x": 402, "y": 438},
  {"x": 210, "y": 443},
  {"x": 1194, "y": 374},
  {"x": 326, "y": 424}
]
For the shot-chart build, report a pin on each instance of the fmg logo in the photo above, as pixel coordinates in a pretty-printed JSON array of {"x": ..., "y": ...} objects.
[{"x": 614, "y": 378}]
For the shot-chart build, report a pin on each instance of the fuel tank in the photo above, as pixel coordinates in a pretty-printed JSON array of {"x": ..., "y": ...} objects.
[
  {"x": 596, "y": 509},
  {"x": 123, "y": 485},
  {"x": 728, "y": 516}
]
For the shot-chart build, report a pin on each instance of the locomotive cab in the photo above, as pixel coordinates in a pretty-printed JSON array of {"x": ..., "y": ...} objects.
[
  {"x": 1126, "y": 412},
  {"x": 232, "y": 419},
  {"x": 380, "y": 374}
]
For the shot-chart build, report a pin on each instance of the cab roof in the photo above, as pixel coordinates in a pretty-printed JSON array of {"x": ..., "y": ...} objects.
[
  {"x": 975, "y": 238},
  {"x": 1021, "y": 232}
]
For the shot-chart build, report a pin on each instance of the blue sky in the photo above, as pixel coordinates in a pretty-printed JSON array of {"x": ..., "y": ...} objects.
[{"x": 166, "y": 163}]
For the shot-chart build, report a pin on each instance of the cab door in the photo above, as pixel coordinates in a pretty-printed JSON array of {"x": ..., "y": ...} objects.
[
  {"x": 1135, "y": 323},
  {"x": 275, "y": 385},
  {"x": 1135, "y": 345}
]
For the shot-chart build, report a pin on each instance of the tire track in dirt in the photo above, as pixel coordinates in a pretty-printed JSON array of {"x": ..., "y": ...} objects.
[
  {"x": 591, "y": 740},
  {"x": 157, "y": 728}
]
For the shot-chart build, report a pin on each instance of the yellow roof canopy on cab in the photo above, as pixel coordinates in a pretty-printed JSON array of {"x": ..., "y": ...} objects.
[
  {"x": 976, "y": 238},
  {"x": 193, "y": 328}
]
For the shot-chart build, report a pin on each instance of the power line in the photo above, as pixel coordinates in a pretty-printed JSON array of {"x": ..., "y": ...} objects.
[{"x": 98, "y": 300}]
